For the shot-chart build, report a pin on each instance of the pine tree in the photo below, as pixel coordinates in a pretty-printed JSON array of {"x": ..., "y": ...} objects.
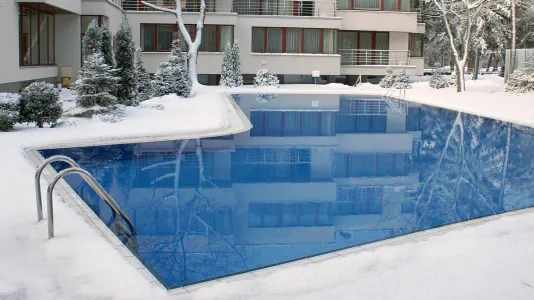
[
  {"x": 388, "y": 81},
  {"x": 124, "y": 60},
  {"x": 522, "y": 79},
  {"x": 227, "y": 68},
  {"x": 95, "y": 83},
  {"x": 39, "y": 103},
  {"x": 92, "y": 42},
  {"x": 178, "y": 64},
  {"x": 236, "y": 61},
  {"x": 144, "y": 83},
  {"x": 107, "y": 47},
  {"x": 163, "y": 80},
  {"x": 265, "y": 77},
  {"x": 437, "y": 81}
]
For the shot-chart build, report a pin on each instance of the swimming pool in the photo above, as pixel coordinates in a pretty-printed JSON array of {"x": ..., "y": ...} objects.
[{"x": 317, "y": 173}]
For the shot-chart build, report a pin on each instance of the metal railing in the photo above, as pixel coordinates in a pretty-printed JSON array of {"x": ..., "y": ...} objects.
[
  {"x": 363, "y": 107},
  {"x": 118, "y": 214},
  {"x": 365, "y": 57},
  {"x": 116, "y": 2},
  {"x": 302, "y": 8},
  {"x": 187, "y": 5},
  {"x": 383, "y": 5}
]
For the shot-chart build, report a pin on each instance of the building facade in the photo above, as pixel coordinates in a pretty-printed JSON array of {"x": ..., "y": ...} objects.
[{"x": 341, "y": 39}]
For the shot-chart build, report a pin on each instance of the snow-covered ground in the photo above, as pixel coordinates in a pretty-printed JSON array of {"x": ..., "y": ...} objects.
[{"x": 490, "y": 261}]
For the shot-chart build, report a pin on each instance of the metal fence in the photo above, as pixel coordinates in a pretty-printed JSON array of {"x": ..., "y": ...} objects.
[{"x": 358, "y": 57}]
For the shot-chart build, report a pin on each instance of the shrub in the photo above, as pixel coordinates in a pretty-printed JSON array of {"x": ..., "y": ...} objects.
[
  {"x": 522, "y": 80},
  {"x": 6, "y": 120},
  {"x": 39, "y": 103},
  {"x": 389, "y": 80},
  {"x": 437, "y": 81}
]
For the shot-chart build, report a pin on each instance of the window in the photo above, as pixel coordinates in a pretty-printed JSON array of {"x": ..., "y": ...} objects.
[
  {"x": 37, "y": 37},
  {"x": 364, "y": 47},
  {"x": 386, "y": 5},
  {"x": 362, "y": 200},
  {"x": 416, "y": 45},
  {"x": 290, "y": 214},
  {"x": 347, "y": 165},
  {"x": 294, "y": 40},
  {"x": 413, "y": 119},
  {"x": 159, "y": 37},
  {"x": 292, "y": 123}
]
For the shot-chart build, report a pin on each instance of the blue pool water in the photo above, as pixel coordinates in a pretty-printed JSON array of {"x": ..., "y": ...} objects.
[{"x": 315, "y": 174}]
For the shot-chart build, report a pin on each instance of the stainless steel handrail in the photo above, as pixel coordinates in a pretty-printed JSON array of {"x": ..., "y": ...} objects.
[
  {"x": 117, "y": 211},
  {"x": 38, "y": 173}
]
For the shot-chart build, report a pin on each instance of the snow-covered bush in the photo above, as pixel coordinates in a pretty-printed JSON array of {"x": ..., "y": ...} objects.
[
  {"x": 6, "y": 120},
  {"x": 125, "y": 64},
  {"x": 144, "y": 90},
  {"x": 92, "y": 41},
  {"x": 172, "y": 76},
  {"x": 106, "y": 47},
  {"x": 95, "y": 83},
  {"x": 39, "y": 103},
  {"x": 437, "y": 81},
  {"x": 402, "y": 81},
  {"x": 522, "y": 79},
  {"x": 388, "y": 80},
  {"x": 265, "y": 77},
  {"x": 453, "y": 80}
]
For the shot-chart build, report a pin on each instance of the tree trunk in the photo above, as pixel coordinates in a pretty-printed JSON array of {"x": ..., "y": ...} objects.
[
  {"x": 476, "y": 67},
  {"x": 514, "y": 38},
  {"x": 193, "y": 67},
  {"x": 489, "y": 63}
]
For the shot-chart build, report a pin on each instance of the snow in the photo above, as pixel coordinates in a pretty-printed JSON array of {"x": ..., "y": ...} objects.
[{"x": 492, "y": 260}]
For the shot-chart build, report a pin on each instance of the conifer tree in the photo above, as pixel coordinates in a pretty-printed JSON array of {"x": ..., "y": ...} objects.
[
  {"x": 172, "y": 76},
  {"x": 522, "y": 79},
  {"x": 144, "y": 83},
  {"x": 227, "y": 68},
  {"x": 92, "y": 41},
  {"x": 125, "y": 65},
  {"x": 388, "y": 81},
  {"x": 163, "y": 80},
  {"x": 106, "y": 46},
  {"x": 437, "y": 81},
  {"x": 95, "y": 83},
  {"x": 402, "y": 81},
  {"x": 236, "y": 61}
]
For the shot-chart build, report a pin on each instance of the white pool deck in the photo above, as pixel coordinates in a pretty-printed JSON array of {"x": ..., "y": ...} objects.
[{"x": 487, "y": 258}]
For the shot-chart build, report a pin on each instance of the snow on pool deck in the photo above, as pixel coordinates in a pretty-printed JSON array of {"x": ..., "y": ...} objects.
[{"x": 489, "y": 260}]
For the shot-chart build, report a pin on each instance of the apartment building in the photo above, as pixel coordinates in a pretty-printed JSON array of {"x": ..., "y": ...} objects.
[{"x": 341, "y": 39}]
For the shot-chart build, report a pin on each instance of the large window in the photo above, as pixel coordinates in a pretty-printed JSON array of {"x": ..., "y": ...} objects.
[
  {"x": 416, "y": 45},
  {"x": 293, "y": 123},
  {"x": 386, "y": 5},
  {"x": 369, "y": 164},
  {"x": 274, "y": 7},
  {"x": 290, "y": 214},
  {"x": 294, "y": 40},
  {"x": 37, "y": 37},
  {"x": 158, "y": 37},
  {"x": 362, "y": 200}
]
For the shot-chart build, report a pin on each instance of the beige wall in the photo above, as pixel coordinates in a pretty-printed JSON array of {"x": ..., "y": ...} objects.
[
  {"x": 378, "y": 20},
  {"x": 68, "y": 43},
  {"x": 72, "y": 6}
]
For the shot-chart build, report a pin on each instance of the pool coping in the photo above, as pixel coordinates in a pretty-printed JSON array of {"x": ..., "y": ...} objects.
[
  {"x": 68, "y": 196},
  {"x": 237, "y": 122}
]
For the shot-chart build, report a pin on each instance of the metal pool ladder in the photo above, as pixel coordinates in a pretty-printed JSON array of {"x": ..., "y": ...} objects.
[{"x": 128, "y": 230}]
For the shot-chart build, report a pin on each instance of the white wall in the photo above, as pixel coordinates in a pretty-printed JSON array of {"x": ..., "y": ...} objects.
[
  {"x": 72, "y": 6},
  {"x": 378, "y": 20},
  {"x": 68, "y": 43},
  {"x": 103, "y": 8},
  {"x": 10, "y": 71}
]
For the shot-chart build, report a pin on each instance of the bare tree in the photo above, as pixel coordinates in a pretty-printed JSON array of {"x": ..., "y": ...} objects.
[
  {"x": 459, "y": 18},
  {"x": 193, "y": 45}
]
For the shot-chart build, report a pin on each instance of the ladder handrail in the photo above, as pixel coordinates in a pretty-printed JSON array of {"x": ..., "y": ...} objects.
[
  {"x": 117, "y": 211},
  {"x": 38, "y": 173}
]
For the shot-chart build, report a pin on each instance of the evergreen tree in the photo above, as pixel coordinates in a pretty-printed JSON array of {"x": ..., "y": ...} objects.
[
  {"x": 388, "y": 81},
  {"x": 144, "y": 83},
  {"x": 124, "y": 60},
  {"x": 437, "y": 81},
  {"x": 522, "y": 79},
  {"x": 265, "y": 77},
  {"x": 39, "y": 103},
  {"x": 163, "y": 80},
  {"x": 92, "y": 42},
  {"x": 236, "y": 61},
  {"x": 106, "y": 47},
  {"x": 95, "y": 83},
  {"x": 227, "y": 68}
]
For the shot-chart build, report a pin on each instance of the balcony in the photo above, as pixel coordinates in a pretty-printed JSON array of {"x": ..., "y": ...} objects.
[
  {"x": 363, "y": 57},
  {"x": 383, "y": 5},
  {"x": 301, "y": 8}
]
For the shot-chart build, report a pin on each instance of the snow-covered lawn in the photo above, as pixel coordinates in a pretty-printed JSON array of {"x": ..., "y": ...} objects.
[{"x": 490, "y": 261}]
